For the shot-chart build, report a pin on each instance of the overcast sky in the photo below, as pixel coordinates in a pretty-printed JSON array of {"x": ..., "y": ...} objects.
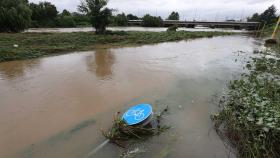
[{"x": 188, "y": 9}]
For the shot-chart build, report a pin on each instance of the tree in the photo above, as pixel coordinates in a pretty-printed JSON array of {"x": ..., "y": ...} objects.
[
  {"x": 81, "y": 19},
  {"x": 269, "y": 15},
  {"x": 173, "y": 16},
  {"x": 15, "y": 15},
  {"x": 120, "y": 20},
  {"x": 65, "y": 19},
  {"x": 44, "y": 14},
  {"x": 132, "y": 17},
  {"x": 255, "y": 18},
  {"x": 98, "y": 13},
  {"x": 65, "y": 13},
  {"x": 152, "y": 21}
]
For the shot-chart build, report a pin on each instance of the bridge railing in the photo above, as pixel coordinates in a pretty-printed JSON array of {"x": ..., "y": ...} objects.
[{"x": 233, "y": 24}]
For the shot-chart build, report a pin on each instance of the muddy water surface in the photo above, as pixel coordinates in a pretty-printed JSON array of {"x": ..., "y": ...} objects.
[
  {"x": 149, "y": 29},
  {"x": 55, "y": 106}
]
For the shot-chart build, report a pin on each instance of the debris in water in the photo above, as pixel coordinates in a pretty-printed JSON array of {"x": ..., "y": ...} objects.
[
  {"x": 271, "y": 41},
  {"x": 132, "y": 152},
  {"x": 122, "y": 132},
  {"x": 180, "y": 106},
  {"x": 98, "y": 148}
]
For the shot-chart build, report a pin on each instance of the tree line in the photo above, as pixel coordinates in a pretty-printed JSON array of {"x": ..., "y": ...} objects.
[
  {"x": 268, "y": 17},
  {"x": 18, "y": 15}
]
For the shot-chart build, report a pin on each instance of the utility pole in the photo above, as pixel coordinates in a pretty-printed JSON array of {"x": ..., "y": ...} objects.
[{"x": 156, "y": 12}]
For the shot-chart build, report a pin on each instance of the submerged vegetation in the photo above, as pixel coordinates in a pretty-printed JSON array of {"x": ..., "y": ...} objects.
[
  {"x": 33, "y": 45},
  {"x": 250, "y": 115},
  {"x": 121, "y": 133}
]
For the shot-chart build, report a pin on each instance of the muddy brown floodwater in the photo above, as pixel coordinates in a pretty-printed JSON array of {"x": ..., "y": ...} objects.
[
  {"x": 147, "y": 29},
  {"x": 55, "y": 106}
]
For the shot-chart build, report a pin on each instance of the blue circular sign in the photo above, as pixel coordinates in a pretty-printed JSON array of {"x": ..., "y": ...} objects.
[{"x": 137, "y": 114}]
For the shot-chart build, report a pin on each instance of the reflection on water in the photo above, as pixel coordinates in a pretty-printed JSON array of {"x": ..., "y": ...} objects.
[
  {"x": 101, "y": 63},
  {"x": 59, "y": 107},
  {"x": 17, "y": 69}
]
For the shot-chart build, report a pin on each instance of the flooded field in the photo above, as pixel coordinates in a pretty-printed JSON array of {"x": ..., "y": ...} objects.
[
  {"x": 55, "y": 107},
  {"x": 149, "y": 29}
]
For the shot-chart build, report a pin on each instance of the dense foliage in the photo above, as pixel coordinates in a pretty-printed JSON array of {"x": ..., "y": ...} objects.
[
  {"x": 81, "y": 19},
  {"x": 98, "y": 13},
  {"x": 43, "y": 14},
  {"x": 151, "y": 21},
  {"x": 267, "y": 17},
  {"x": 120, "y": 20},
  {"x": 66, "y": 21},
  {"x": 132, "y": 17},
  {"x": 174, "y": 16},
  {"x": 15, "y": 15}
]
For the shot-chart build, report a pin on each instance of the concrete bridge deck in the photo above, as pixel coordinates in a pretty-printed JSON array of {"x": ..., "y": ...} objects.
[{"x": 192, "y": 24}]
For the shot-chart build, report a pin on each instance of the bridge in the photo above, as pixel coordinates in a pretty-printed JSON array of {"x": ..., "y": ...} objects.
[{"x": 191, "y": 24}]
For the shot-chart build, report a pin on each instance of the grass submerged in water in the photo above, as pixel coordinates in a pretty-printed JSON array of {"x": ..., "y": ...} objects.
[
  {"x": 20, "y": 46},
  {"x": 250, "y": 115}
]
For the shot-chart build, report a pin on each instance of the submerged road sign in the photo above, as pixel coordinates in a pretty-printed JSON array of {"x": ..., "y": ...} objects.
[{"x": 137, "y": 114}]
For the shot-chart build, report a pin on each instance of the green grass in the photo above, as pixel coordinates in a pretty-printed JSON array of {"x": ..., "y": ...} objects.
[
  {"x": 250, "y": 112},
  {"x": 34, "y": 45}
]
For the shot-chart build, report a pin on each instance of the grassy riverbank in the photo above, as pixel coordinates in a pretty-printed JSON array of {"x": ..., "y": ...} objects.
[
  {"x": 267, "y": 32},
  {"x": 33, "y": 45},
  {"x": 250, "y": 115}
]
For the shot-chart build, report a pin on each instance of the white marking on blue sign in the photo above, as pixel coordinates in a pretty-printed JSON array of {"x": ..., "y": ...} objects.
[{"x": 137, "y": 114}]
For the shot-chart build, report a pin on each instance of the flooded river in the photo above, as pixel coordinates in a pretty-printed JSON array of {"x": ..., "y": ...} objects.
[{"x": 55, "y": 107}]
